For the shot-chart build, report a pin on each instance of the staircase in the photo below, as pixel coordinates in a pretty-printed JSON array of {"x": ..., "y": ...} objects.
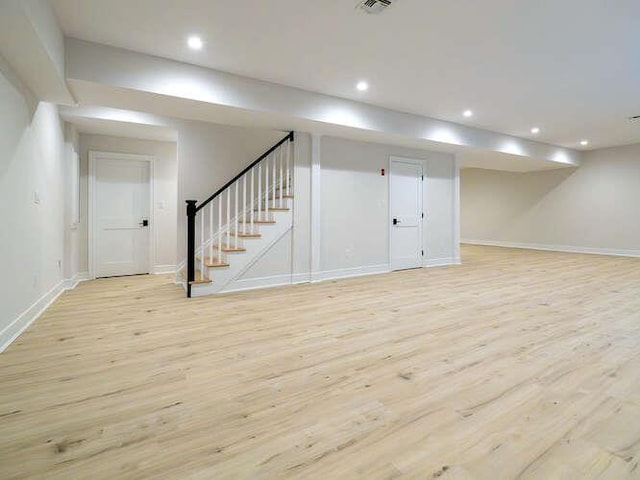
[{"x": 234, "y": 227}]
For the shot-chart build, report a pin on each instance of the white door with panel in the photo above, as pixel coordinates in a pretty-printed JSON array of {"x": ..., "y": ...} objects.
[
  {"x": 405, "y": 208},
  {"x": 121, "y": 217}
]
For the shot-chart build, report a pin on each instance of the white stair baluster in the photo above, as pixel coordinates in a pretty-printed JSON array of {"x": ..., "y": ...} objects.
[
  {"x": 202, "y": 244},
  {"x": 266, "y": 188},
  {"x": 281, "y": 186},
  {"x": 252, "y": 204},
  {"x": 244, "y": 203},
  {"x": 235, "y": 217},
  {"x": 211, "y": 230},
  {"x": 228, "y": 225},
  {"x": 288, "y": 158},
  {"x": 273, "y": 181},
  {"x": 259, "y": 192},
  {"x": 220, "y": 228}
]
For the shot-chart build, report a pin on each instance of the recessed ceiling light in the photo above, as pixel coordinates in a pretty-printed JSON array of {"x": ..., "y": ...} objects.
[
  {"x": 584, "y": 143},
  {"x": 467, "y": 113},
  {"x": 194, "y": 42},
  {"x": 535, "y": 130},
  {"x": 362, "y": 86}
]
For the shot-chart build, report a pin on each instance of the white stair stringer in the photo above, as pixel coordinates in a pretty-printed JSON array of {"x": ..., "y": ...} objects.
[{"x": 240, "y": 262}]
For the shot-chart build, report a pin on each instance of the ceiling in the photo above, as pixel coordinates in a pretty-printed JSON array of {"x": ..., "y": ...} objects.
[{"x": 571, "y": 67}]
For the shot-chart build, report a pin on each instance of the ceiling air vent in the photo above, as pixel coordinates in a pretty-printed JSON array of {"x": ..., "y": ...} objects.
[{"x": 374, "y": 6}]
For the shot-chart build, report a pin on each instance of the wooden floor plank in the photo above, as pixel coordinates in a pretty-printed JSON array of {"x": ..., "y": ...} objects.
[{"x": 516, "y": 365}]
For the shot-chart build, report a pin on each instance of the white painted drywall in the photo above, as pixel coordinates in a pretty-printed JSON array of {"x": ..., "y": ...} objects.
[
  {"x": 32, "y": 234},
  {"x": 590, "y": 208},
  {"x": 165, "y": 185},
  {"x": 355, "y": 203},
  {"x": 72, "y": 232}
]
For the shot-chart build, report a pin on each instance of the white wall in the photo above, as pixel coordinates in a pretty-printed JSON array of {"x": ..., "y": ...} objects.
[
  {"x": 592, "y": 208},
  {"x": 32, "y": 235},
  {"x": 165, "y": 186},
  {"x": 355, "y": 205},
  {"x": 72, "y": 232}
]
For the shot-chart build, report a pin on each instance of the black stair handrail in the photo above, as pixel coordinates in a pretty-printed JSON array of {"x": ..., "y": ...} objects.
[
  {"x": 289, "y": 137},
  {"x": 192, "y": 211}
]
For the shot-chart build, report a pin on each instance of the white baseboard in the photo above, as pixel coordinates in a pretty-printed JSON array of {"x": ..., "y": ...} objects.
[
  {"x": 20, "y": 324},
  {"x": 81, "y": 276},
  {"x": 288, "y": 279},
  {"x": 352, "y": 272},
  {"x": 301, "y": 278},
  {"x": 260, "y": 282},
  {"x": 12, "y": 331},
  {"x": 267, "y": 282},
  {"x": 441, "y": 262},
  {"x": 556, "y": 248},
  {"x": 71, "y": 283},
  {"x": 162, "y": 269}
]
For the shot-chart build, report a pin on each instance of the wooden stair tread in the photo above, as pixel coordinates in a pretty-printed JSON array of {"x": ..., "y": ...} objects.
[
  {"x": 275, "y": 209},
  {"x": 229, "y": 248},
  {"x": 199, "y": 278},
  {"x": 213, "y": 262}
]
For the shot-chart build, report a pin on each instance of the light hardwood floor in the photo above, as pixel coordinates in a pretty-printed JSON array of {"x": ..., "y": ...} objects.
[{"x": 516, "y": 365}]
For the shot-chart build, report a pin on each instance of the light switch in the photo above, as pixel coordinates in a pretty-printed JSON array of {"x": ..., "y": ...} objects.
[{"x": 36, "y": 197}]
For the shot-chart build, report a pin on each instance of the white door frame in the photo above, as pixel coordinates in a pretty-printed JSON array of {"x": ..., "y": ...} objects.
[
  {"x": 421, "y": 164},
  {"x": 94, "y": 157}
]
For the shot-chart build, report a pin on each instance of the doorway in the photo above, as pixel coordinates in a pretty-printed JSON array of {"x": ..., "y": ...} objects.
[
  {"x": 406, "y": 213},
  {"x": 120, "y": 223}
]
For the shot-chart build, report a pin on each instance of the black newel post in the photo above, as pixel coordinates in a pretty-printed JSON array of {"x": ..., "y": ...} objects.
[{"x": 191, "y": 244}]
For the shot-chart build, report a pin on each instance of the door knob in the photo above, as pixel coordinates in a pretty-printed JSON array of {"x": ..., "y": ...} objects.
[
  {"x": 144, "y": 223},
  {"x": 396, "y": 221}
]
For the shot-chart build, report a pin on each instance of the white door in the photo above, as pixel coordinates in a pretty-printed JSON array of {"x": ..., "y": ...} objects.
[
  {"x": 121, "y": 217},
  {"x": 405, "y": 207}
]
